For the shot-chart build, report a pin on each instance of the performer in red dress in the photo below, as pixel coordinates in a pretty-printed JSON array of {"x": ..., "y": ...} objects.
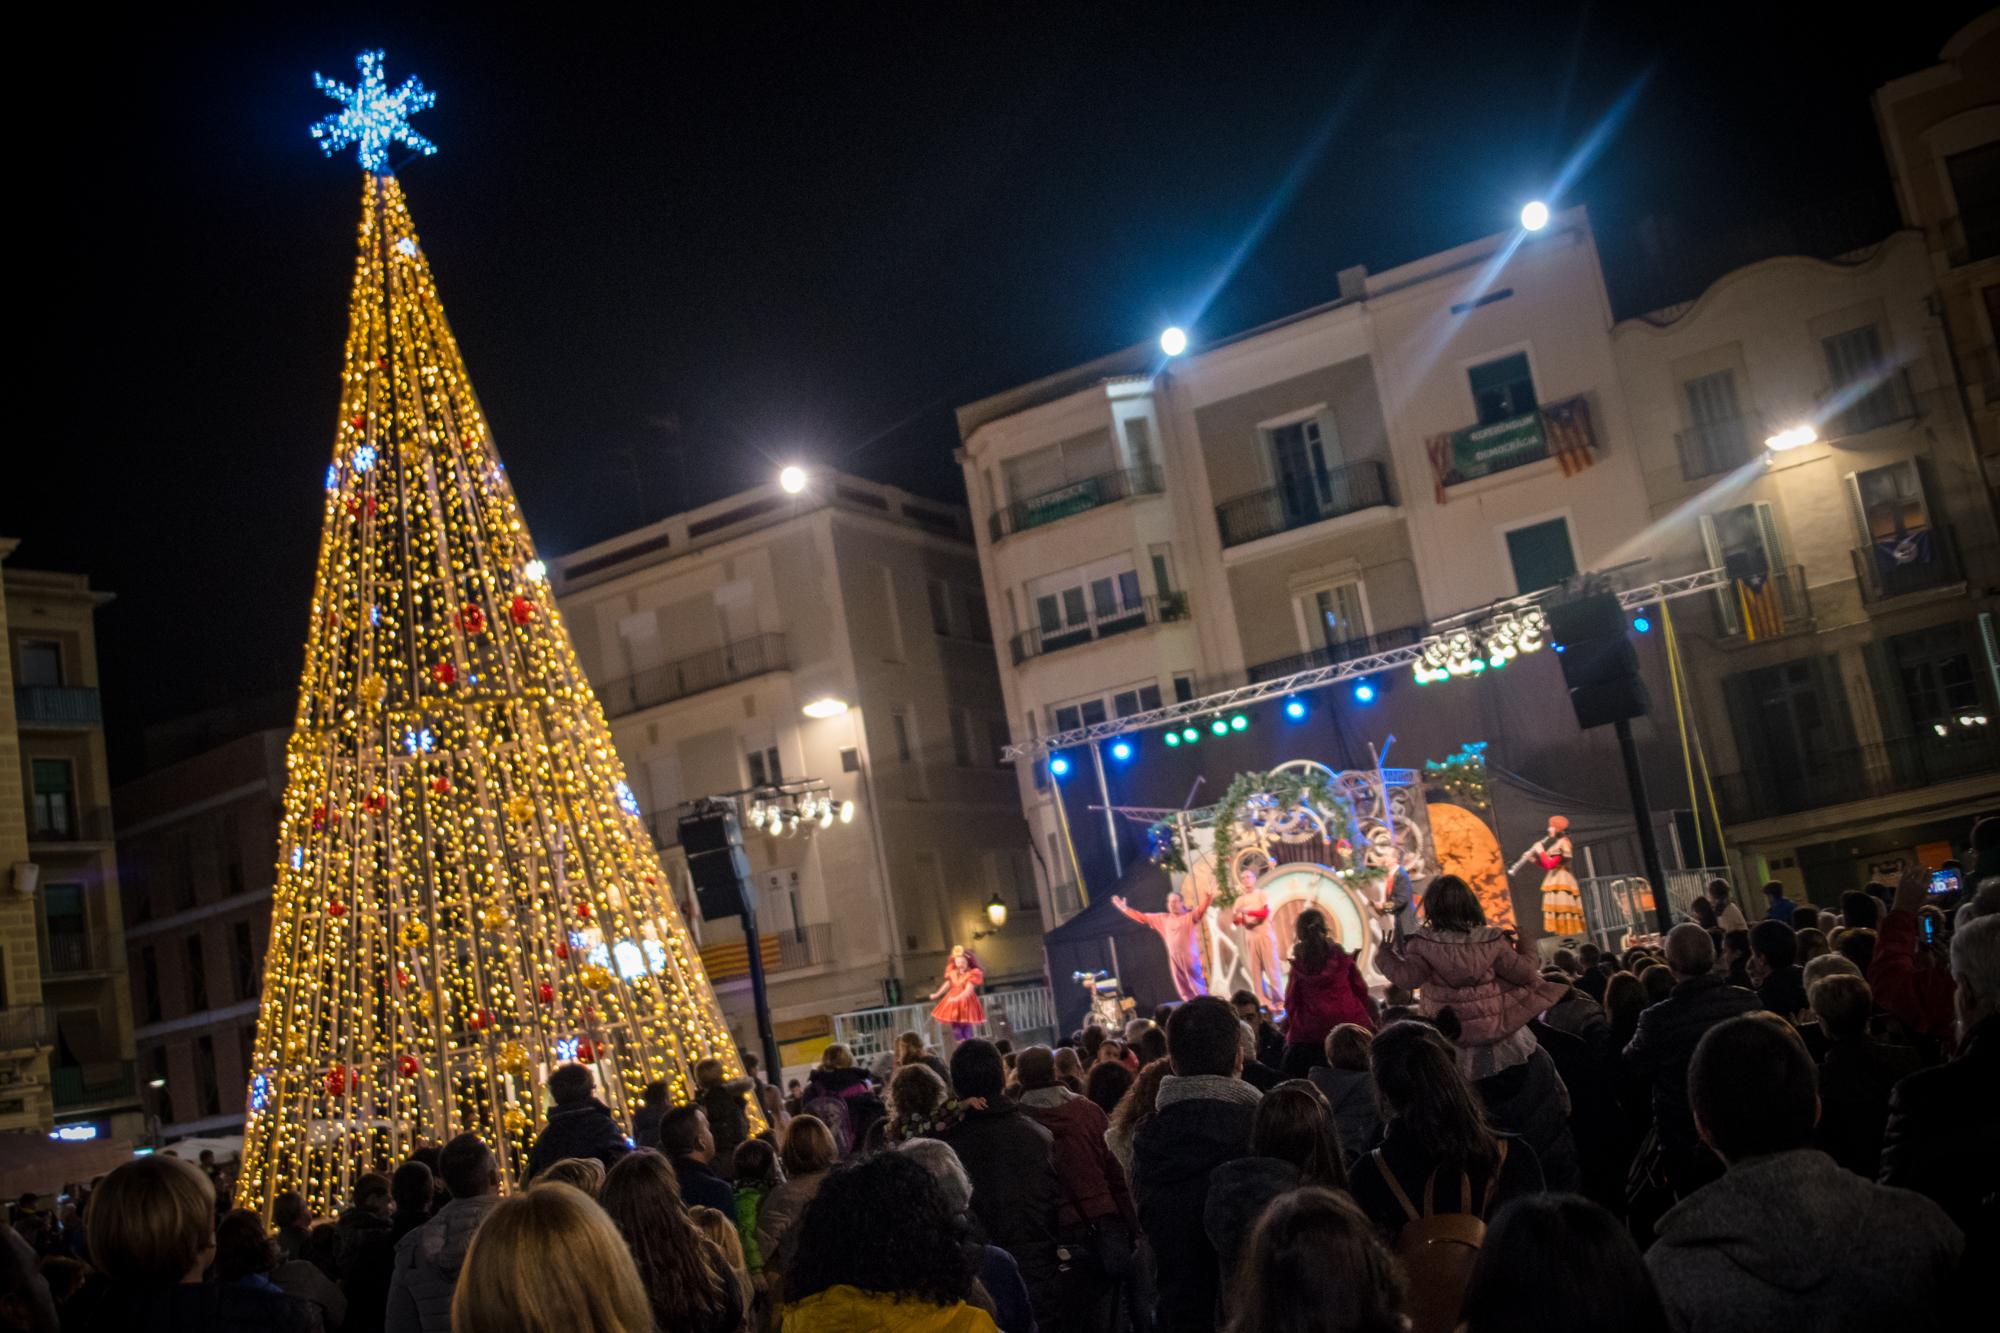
[
  {"x": 1176, "y": 926},
  {"x": 1562, "y": 899},
  {"x": 960, "y": 1009}
]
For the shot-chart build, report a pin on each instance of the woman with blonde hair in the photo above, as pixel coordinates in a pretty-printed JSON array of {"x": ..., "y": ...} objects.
[
  {"x": 584, "y": 1173},
  {"x": 549, "y": 1261},
  {"x": 721, "y": 1231}
]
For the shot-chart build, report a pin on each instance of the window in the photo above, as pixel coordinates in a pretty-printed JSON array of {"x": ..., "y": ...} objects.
[
  {"x": 850, "y": 759},
  {"x": 1718, "y": 437},
  {"x": 978, "y": 625},
  {"x": 1743, "y": 539},
  {"x": 1058, "y": 467},
  {"x": 149, "y": 985},
  {"x": 1502, "y": 388},
  {"x": 892, "y": 647},
  {"x": 230, "y": 846},
  {"x": 1163, "y": 569},
  {"x": 1080, "y": 604},
  {"x": 197, "y": 975},
  {"x": 964, "y": 737},
  {"x": 1975, "y": 184},
  {"x": 1183, "y": 688},
  {"x": 54, "y": 809},
  {"x": 1074, "y": 716},
  {"x": 997, "y": 740},
  {"x": 1299, "y": 456},
  {"x": 764, "y": 768},
  {"x": 1139, "y": 442},
  {"x": 1867, "y": 391},
  {"x": 1143, "y": 699},
  {"x": 67, "y": 923},
  {"x": 940, "y": 595},
  {"x": 1788, "y": 719},
  {"x": 204, "y": 1076},
  {"x": 1335, "y": 615},
  {"x": 41, "y": 662},
  {"x": 1938, "y": 684},
  {"x": 1890, "y": 501},
  {"x": 1541, "y": 555},
  {"x": 243, "y": 958}
]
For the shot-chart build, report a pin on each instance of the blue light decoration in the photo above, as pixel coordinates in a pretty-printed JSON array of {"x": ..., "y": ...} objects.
[
  {"x": 1641, "y": 623},
  {"x": 627, "y": 802},
  {"x": 78, "y": 1133},
  {"x": 1121, "y": 750},
  {"x": 406, "y": 248},
  {"x": 371, "y": 117},
  {"x": 630, "y": 958},
  {"x": 566, "y": 1049},
  {"x": 419, "y": 741},
  {"x": 298, "y": 858},
  {"x": 1364, "y": 691},
  {"x": 332, "y": 477},
  {"x": 260, "y": 1092},
  {"x": 375, "y": 615},
  {"x": 1295, "y": 709},
  {"x": 1059, "y": 766},
  {"x": 364, "y": 458}
]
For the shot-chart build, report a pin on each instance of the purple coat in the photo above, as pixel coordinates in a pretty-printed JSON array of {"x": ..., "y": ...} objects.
[{"x": 1492, "y": 987}]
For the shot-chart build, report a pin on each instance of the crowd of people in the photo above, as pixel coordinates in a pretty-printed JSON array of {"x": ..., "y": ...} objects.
[{"x": 1785, "y": 1124}]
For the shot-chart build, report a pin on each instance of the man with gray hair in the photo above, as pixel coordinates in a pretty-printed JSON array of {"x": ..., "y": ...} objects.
[
  {"x": 1664, "y": 1043},
  {"x": 1943, "y": 1138},
  {"x": 998, "y": 1272}
]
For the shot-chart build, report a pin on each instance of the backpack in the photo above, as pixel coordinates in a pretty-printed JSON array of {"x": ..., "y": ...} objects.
[
  {"x": 1437, "y": 1250},
  {"x": 831, "y": 1110}
]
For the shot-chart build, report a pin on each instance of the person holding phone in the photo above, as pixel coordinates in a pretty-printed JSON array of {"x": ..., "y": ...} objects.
[{"x": 1911, "y": 983}]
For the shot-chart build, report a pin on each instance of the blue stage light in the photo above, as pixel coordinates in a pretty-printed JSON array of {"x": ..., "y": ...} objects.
[
  {"x": 1364, "y": 692},
  {"x": 1121, "y": 750},
  {"x": 1059, "y": 766},
  {"x": 1642, "y": 624},
  {"x": 1295, "y": 709}
]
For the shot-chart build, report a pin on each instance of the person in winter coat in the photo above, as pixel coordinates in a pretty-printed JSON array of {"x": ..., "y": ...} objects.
[
  {"x": 1202, "y": 1118},
  {"x": 721, "y": 1100},
  {"x": 687, "y": 1142},
  {"x": 1856, "y": 1075},
  {"x": 428, "y": 1259},
  {"x": 1325, "y": 990},
  {"x": 1664, "y": 1043},
  {"x": 757, "y": 1174},
  {"x": 1350, "y": 1089},
  {"x": 579, "y": 1125},
  {"x": 809, "y": 1153},
  {"x": 998, "y": 1273},
  {"x": 1944, "y": 1123},
  {"x": 1911, "y": 983},
  {"x": 1772, "y": 1244},
  {"x": 1011, "y": 1160},
  {"x": 646, "y": 1120},
  {"x": 1600, "y": 1137},
  {"x": 1460, "y": 962},
  {"x": 842, "y": 1098},
  {"x": 1293, "y": 1143},
  {"x": 1095, "y": 1215}
]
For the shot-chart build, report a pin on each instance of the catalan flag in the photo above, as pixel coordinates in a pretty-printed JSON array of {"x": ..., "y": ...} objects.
[
  {"x": 1757, "y": 601},
  {"x": 1572, "y": 442}
]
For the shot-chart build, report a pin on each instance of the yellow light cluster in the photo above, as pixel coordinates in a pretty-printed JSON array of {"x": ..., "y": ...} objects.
[{"x": 466, "y": 895}]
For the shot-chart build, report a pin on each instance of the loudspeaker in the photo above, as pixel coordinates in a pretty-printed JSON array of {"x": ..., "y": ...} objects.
[
  {"x": 716, "y": 863},
  {"x": 1599, "y": 664}
]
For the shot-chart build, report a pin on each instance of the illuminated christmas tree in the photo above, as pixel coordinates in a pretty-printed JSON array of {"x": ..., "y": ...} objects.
[{"x": 466, "y": 895}]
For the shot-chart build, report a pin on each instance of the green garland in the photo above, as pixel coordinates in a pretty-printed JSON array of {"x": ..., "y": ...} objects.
[
  {"x": 1462, "y": 775},
  {"x": 1289, "y": 790}
]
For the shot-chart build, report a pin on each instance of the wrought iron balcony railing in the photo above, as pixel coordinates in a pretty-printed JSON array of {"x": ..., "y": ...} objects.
[
  {"x": 1835, "y": 777},
  {"x": 1346, "y": 489},
  {"x": 1077, "y": 497},
  {"x": 1121, "y": 619},
  {"x": 754, "y": 656},
  {"x": 59, "y": 706},
  {"x": 1345, "y": 651}
]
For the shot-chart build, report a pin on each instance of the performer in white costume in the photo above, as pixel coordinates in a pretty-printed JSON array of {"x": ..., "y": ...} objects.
[{"x": 1251, "y": 914}]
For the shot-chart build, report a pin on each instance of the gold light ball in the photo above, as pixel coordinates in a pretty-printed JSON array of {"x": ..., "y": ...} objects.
[{"x": 413, "y": 934}]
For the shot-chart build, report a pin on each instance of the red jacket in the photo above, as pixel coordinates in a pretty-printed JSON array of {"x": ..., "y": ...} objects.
[
  {"x": 1318, "y": 1002},
  {"x": 1093, "y": 1184},
  {"x": 1920, "y": 996}
]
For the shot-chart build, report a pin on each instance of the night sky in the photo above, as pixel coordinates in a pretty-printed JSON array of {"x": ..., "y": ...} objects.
[{"x": 675, "y": 254}]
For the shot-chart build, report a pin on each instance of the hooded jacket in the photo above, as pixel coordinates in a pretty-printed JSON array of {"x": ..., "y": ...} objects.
[
  {"x": 1318, "y": 1002},
  {"x": 1491, "y": 986},
  {"x": 1093, "y": 1184},
  {"x": 1011, "y": 1162},
  {"x": 581, "y": 1129},
  {"x": 427, "y": 1264},
  {"x": 1664, "y": 1044},
  {"x": 1200, "y": 1124},
  {"x": 1778, "y": 1243}
]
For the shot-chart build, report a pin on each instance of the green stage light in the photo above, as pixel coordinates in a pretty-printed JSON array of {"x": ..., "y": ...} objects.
[
  {"x": 1190, "y": 735},
  {"x": 1173, "y": 738},
  {"x": 1239, "y": 722},
  {"x": 1220, "y": 727}
]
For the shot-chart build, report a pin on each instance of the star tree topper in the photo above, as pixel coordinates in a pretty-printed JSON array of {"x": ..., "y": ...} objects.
[{"x": 371, "y": 117}]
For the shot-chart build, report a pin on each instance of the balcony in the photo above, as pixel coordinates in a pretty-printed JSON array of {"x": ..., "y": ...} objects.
[
  {"x": 1076, "y": 498},
  {"x": 78, "y": 1086},
  {"x": 1855, "y": 409},
  {"x": 1920, "y": 561},
  {"x": 1860, "y": 773},
  {"x": 61, "y": 821},
  {"x": 24, "y": 1027},
  {"x": 1335, "y": 653},
  {"x": 82, "y": 953},
  {"x": 786, "y": 949},
  {"x": 60, "y": 707},
  {"x": 1122, "y": 619},
  {"x": 1783, "y": 605},
  {"x": 755, "y": 656},
  {"x": 1346, "y": 489},
  {"x": 1720, "y": 446}
]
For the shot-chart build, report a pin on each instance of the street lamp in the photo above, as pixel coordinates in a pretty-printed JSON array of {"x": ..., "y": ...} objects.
[
  {"x": 1173, "y": 340},
  {"x": 996, "y": 912},
  {"x": 1791, "y": 438},
  {"x": 1534, "y": 216},
  {"x": 824, "y": 706},
  {"x": 792, "y": 479}
]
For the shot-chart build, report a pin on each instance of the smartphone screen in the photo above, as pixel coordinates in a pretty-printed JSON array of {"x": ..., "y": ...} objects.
[{"x": 1943, "y": 882}]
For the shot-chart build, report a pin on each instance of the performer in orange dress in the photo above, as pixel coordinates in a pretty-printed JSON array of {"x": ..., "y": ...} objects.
[
  {"x": 1562, "y": 899},
  {"x": 960, "y": 1009},
  {"x": 1176, "y": 927}
]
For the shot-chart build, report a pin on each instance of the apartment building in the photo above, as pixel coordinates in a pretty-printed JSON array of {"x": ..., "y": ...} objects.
[
  {"x": 1844, "y": 676},
  {"x": 835, "y": 642},
  {"x": 1443, "y": 435},
  {"x": 195, "y": 835},
  {"x": 1940, "y": 131},
  {"x": 64, "y": 951}
]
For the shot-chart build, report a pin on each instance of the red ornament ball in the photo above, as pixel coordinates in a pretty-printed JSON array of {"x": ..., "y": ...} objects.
[
  {"x": 444, "y": 673},
  {"x": 583, "y": 911},
  {"x": 336, "y": 909},
  {"x": 319, "y": 818},
  {"x": 585, "y": 1053},
  {"x": 402, "y": 977},
  {"x": 562, "y": 949},
  {"x": 480, "y": 1021},
  {"x": 471, "y": 619},
  {"x": 406, "y": 1065},
  {"x": 522, "y": 610},
  {"x": 336, "y": 1081},
  {"x": 546, "y": 993},
  {"x": 376, "y": 802},
  {"x": 440, "y": 784}
]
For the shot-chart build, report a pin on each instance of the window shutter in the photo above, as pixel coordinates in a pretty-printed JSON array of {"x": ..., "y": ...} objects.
[{"x": 1725, "y": 596}]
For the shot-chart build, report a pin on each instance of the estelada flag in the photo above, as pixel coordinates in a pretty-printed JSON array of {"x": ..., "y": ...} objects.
[
  {"x": 1757, "y": 600},
  {"x": 1572, "y": 443}
]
